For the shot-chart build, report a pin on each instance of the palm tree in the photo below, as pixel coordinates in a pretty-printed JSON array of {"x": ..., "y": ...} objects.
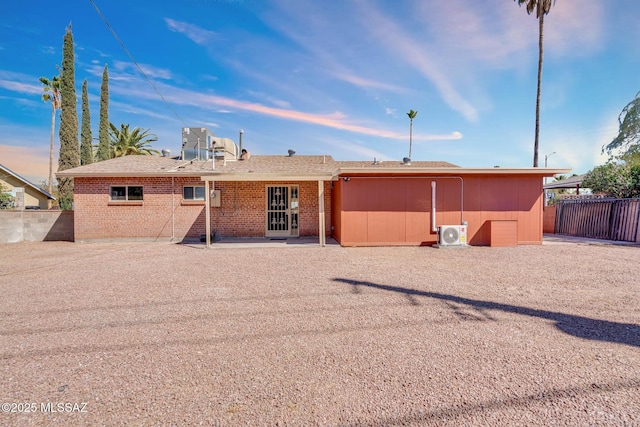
[
  {"x": 51, "y": 93},
  {"x": 135, "y": 142},
  {"x": 542, "y": 8},
  {"x": 412, "y": 115}
]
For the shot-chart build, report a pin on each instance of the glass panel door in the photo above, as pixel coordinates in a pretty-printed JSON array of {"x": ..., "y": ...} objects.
[{"x": 282, "y": 211}]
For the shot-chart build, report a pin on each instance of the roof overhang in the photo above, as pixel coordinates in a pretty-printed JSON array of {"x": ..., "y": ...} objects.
[
  {"x": 410, "y": 171},
  {"x": 125, "y": 174},
  {"x": 407, "y": 171},
  {"x": 267, "y": 177}
]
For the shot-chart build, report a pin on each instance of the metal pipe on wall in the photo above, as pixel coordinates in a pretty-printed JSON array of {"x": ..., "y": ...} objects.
[
  {"x": 461, "y": 195},
  {"x": 433, "y": 207}
]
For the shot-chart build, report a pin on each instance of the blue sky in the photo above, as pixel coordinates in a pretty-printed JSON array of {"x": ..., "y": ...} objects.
[{"x": 332, "y": 77}]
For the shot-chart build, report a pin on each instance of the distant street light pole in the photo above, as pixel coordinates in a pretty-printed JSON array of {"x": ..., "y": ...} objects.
[{"x": 546, "y": 157}]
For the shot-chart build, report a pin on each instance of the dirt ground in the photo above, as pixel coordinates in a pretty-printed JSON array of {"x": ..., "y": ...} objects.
[{"x": 169, "y": 334}]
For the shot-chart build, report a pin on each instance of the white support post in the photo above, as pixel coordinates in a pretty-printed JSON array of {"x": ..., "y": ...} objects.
[
  {"x": 207, "y": 212},
  {"x": 321, "y": 227}
]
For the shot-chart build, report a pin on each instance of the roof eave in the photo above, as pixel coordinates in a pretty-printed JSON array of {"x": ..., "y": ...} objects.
[
  {"x": 268, "y": 177},
  {"x": 408, "y": 170},
  {"x": 125, "y": 174},
  {"x": 209, "y": 177}
]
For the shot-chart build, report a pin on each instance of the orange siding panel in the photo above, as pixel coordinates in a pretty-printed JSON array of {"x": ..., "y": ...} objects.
[
  {"x": 354, "y": 228},
  {"x": 386, "y": 227},
  {"x": 503, "y": 233},
  {"x": 393, "y": 210},
  {"x": 417, "y": 228},
  {"x": 336, "y": 210}
]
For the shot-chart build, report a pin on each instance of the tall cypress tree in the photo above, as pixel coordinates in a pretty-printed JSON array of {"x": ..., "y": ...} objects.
[
  {"x": 86, "y": 148},
  {"x": 103, "y": 133},
  {"x": 69, "y": 146}
]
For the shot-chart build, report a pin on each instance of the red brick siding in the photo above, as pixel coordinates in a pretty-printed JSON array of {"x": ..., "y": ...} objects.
[
  {"x": 242, "y": 212},
  {"x": 243, "y": 208}
]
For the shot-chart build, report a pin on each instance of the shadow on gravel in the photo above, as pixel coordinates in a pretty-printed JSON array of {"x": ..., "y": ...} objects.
[
  {"x": 447, "y": 415},
  {"x": 578, "y": 326}
]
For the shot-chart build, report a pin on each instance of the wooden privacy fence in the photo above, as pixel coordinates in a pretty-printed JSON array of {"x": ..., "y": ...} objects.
[{"x": 610, "y": 219}]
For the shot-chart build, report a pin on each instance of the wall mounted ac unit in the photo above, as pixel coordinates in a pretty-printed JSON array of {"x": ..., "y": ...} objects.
[{"x": 452, "y": 235}]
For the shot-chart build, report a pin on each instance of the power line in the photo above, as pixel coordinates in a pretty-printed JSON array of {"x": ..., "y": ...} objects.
[{"x": 135, "y": 62}]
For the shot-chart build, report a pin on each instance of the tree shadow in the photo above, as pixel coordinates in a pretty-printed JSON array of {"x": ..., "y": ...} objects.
[
  {"x": 453, "y": 413},
  {"x": 577, "y": 326}
]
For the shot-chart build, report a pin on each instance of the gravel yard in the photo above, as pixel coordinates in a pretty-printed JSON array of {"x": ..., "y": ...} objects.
[{"x": 167, "y": 334}]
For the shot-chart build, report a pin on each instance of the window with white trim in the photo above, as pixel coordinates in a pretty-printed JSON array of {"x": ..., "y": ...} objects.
[
  {"x": 125, "y": 193},
  {"x": 193, "y": 192}
]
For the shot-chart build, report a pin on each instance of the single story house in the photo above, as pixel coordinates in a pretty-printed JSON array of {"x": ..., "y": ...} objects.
[
  {"x": 272, "y": 196},
  {"x": 27, "y": 194}
]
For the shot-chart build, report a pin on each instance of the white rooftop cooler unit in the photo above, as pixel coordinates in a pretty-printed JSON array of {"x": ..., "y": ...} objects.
[
  {"x": 452, "y": 235},
  {"x": 196, "y": 143},
  {"x": 225, "y": 148}
]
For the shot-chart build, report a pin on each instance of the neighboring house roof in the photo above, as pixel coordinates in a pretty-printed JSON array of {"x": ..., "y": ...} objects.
[
  {"x": 27, "y": 183},
  {"x": 571, "y": 182},
  {"x": 278, "y": 168}
]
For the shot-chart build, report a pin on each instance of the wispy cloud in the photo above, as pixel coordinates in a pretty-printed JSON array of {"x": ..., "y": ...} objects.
[
  {"x": 18, "y": 82},
  {"x": 352, "y": 149},
  {"x": 575, "y": 28},
  {"x": 334, "y": 120},
  {"x": 486, "y": 33},
  {"x": 455, "y": 135},
  {"x": 150, "y": 70},
  {"x": 270, "y": 99},
  {"x": 20, "y": 87},
  {"x": 329, "y": 46},
  {"x": 128, "y": 72},
  {"x": 197, "y": 34},
  {"x": 401, "y": 44},
  {"x": 369, "y": 83}
]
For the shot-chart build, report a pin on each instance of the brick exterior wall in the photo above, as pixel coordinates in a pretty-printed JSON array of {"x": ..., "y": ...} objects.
[{"x": 163, "y": 215}]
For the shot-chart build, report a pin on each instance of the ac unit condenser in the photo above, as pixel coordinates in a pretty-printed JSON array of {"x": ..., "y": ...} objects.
[{"x": 452, "y": 235}]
